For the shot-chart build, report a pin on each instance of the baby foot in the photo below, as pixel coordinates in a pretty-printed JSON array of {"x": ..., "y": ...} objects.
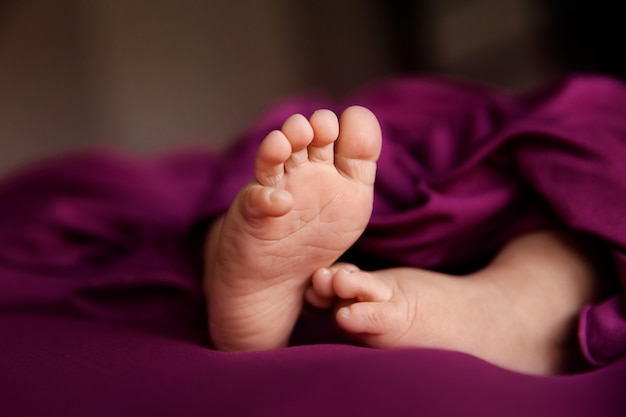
[
  {"x": 309, "y": 202},
  {"x": 406, "y": 307}
]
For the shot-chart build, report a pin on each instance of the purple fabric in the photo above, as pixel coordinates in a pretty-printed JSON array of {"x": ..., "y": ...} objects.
[{"x": 101, "y": 311}]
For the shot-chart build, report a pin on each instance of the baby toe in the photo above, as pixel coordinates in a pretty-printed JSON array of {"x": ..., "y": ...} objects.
[
  {"x": 326, "y": 130},
  {"x": 359, "y": 144},
  {"x": 298, "y": 131},
  {"x": 321, "y": 282},
  {"x": 270, "y": 158},
  {"x": 373, "y": 318},
  {"x": 259, "y": 202},
  {"x": 360, "y": 285}
]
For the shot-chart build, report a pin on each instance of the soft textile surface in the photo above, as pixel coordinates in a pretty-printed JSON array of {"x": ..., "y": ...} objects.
[{"x": 100, "y": 305}]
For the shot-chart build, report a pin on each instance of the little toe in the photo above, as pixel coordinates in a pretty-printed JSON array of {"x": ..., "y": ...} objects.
[
  {"x": 372, "y": 318},
  {"x": 326, "y": 130},
  {"x": 359, "y": 144},
  {"x": 259, "y": 202},
  {"x": 360, "y": 285}
]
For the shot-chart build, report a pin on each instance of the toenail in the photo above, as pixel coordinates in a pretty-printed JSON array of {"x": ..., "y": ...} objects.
[
  {"x": 344, "y": 312},
  {"x": 275, "y": 196}
]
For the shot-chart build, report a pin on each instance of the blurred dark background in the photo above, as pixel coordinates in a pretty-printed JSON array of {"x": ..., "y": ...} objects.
[{"x": 149, "y": 75}]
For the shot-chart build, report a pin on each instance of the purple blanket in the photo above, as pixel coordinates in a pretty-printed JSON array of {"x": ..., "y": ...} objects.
[{"x": 101, "y": 311}]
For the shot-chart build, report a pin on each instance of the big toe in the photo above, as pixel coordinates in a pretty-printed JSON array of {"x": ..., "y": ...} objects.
[{"x": 359, "y": 144}]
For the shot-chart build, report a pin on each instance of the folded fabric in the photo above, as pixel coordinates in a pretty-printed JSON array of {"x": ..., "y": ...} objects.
[{"x": 117, "y": 239}]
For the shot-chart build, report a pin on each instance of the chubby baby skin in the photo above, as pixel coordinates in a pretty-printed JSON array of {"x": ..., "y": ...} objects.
[
  {"x": 311, "y": 199},
  {"x": 520, "y": 312}
]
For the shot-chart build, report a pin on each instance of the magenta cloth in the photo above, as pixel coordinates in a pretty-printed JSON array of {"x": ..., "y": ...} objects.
[{"x": 101, "y": 311}]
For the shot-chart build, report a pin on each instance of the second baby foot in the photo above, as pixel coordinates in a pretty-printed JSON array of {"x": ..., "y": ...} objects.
[{"x": 408, "y": 307}]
